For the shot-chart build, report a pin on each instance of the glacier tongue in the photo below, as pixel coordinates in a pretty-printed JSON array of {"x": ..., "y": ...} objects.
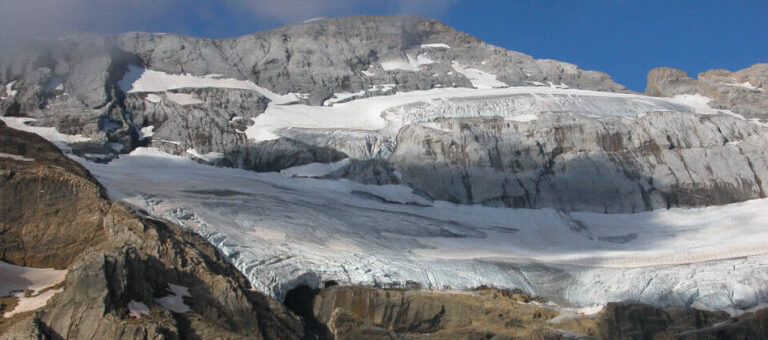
[{"x": 282, "y": 232}]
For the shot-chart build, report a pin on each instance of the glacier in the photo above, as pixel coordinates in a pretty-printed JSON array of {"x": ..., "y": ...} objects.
[{"x": 283, "y": 231}]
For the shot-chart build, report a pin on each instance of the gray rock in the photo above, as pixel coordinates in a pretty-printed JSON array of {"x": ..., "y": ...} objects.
[
  {"x": 373, "y": 171},
  {"x": 573, "y": 162},
  {"x": 743, "y": 92}
]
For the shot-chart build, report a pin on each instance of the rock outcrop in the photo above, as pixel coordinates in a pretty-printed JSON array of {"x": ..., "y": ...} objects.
[
  {"x": 357, "y": 312},
  {"x": 575, "y": 162},
  {"x": 743, "y": 91},
  {"x": 54, "y": 214}
]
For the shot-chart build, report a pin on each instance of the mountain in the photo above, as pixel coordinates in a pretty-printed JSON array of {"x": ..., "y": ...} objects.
[
  {"x": 123, "y": 274},
  {"x": 397, "y": 152}
]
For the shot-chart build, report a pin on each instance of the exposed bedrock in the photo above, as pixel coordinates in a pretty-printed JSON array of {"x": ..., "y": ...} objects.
[
  {"x": 359, "y": 312},
  {"x": 209, "y": 123},
  {"x": 574, "y": 162},
  {"x": 743, "y": 91},
  {"x": 53, "y": 213}
]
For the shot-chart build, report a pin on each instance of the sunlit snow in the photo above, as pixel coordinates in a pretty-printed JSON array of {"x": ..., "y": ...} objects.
[{"x": 387, "y": 235}]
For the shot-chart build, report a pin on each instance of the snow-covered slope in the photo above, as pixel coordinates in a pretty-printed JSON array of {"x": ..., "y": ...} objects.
[{"x": 282, "y": 232}]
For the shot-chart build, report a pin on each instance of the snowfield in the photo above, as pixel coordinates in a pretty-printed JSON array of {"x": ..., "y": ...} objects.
[{"x": 283, "y": 231}]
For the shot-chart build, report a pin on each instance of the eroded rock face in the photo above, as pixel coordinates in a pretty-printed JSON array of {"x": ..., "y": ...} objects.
[
  {"x": 574, "y": 162},
  {"x": 357, "y": 312},
  {"x": 115, "y": 258},
  {"x": 743, "y": 91},
  {"x": 330, "y": 56},
  {"x": 46, "y": 203}
]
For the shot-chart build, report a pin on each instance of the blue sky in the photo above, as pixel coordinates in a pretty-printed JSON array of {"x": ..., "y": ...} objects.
[{"x": 620, "y": 37}]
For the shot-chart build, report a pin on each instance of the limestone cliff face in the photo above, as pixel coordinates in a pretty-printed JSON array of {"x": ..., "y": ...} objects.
[
  {"x": 743, "y": 91},
  {"x": 358, "y": 312},
  {"x": 47, "y": 203},
  {"x": 54, "y": 214},
  {"x": 575, "y": 162}
]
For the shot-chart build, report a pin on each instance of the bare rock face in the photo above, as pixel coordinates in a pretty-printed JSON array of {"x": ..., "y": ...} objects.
[
  {"x": 56, "y": 215},
  {"x": 346, "y": 54},
  {"x": 357, "y": 312},
  {"x": 574, "y": 162},
  {"x": 665, "y": 81},
  {"x": 48, "y": 202},
  {"x": 743, "y": 92}
]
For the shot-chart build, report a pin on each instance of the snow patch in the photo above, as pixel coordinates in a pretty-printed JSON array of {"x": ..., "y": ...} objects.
[
  {"x": 480, "y": 79},
  {"x": 701, "y": 104},
  {"x": 314, "y": 169},
  {"x": 410, "y": 64},
  {"x": 746, "y": 85},
  {"x": 435, "y": 45},
  {"x": 137, "y": 309},
  {"x": 208, "y": 157},
  {"x": 16, "y": 157},
  {"x": 174, "y": 301},
  {"x": 139, "y": 79},
  {"x": 49, "y": 133},
  {"x": 154, "y": 98},
  {"x": 14, "y": 280},
  {"x": 9, "y": 92},
  {"x": 169, "y": 141},
  {"x": 528, "y": 117},
  {"x": 184, "y": 98},
  {"x": 117, "y": 147},
  {"x": 343, "y": 96},
  {"x": 313, "y": 19},
  {"x": 147, "y": 131}
]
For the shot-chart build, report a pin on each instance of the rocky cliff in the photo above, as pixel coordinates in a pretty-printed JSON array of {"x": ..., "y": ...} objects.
[
  {"x": 576, "y": 162},
  {"x": 128, "y": 276},
  {"x": 742, "y": 92},
  {"x": 357, "y": 312}
]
